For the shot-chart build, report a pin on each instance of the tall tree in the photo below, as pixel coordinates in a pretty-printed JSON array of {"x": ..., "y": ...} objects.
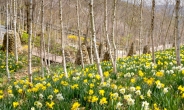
[
  {"x": 106, "y": 32},
  {"x": 62, "y": 38},
  {"x": 140, "y": 29},
  {"x": 113, "y": 38},
  {"x": 14, "y": 27},
  {"x": 152, "y": 29},
  {"x": 30, "y": 40},
  {"x": 42, "y": 38},
  {"x": 50, "y": 29},
  {"x": 7, "y": 40},
  {"x": 177, "y": 36},
  {"x": 78, "y": 27},
  {"x": 94, "y": 40}
]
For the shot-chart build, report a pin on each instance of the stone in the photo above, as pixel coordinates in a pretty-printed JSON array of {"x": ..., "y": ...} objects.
[
  {"x": 106, "y": 56},
  {"x": 101, "y": 50},
  {"x": 67, "y": 56},
  {"x": 131, "y": 50},
  {"x": 85, "y": 55},
  {"x": 146, "y": 50},
  {"x": 11, "y": 44}
]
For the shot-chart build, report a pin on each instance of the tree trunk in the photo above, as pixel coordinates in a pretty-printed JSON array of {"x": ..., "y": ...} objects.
[
  {"x": 113, "y": 39},
  {"x": 94, "y": 40},
  {"x": 7, "y": 41},
  {"x": 177, "y": 36},
  {"x": 78, "y": 26},
  {"x": 14, "y": 27},
  {"x": 152, "y": 29},
  {"x": 11, "y": 19},
  {"x": 41, "y": 40},
  {"x": 50, "y": 29},
  {"x": 140, "y": 30},
  {"x": 29, "y": 41},
  {"x": 62, "y": 38},
  {"x": 106, "y": 32},
  {"x": 91, "y": 51}
]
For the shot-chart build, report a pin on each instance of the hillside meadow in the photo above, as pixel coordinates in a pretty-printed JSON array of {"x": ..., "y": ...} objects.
[{"x": 138, "y": 85}]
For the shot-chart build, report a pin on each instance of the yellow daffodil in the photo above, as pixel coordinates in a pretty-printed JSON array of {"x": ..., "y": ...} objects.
[
  {"x": 75, "y": 106},
  {"x": 50, "y": 105},
  {"x": 103, "y": 101},
  {"x": 15, "y": 104}
]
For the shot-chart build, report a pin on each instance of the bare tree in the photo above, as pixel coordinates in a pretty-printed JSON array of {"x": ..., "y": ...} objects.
[
  {"x": 62, "y": 38},
  {"x": 94, "y": 40},
  {"x": 78, "y": 26},
  {"x": 152, "y": 29},
  {"x": 177, "y": 36},
  {"x": 114, "y": 45},
  {"x": 42, "y": 38},
  {"x": 140, "y": 29},
  {"x": 14, "y": 23},
  {"x": 7, "y": 40},
  {"x": 106, "y": 32},
  {"x": 29, "y": 40},
  {"x": 50, "y": 29}
]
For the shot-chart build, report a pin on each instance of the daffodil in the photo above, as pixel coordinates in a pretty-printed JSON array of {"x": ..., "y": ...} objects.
[
  {"x": 75, "y": 106},
  {"x": 101, "y": 92},
  {"x": 56, "y": 91},
  {"x": 94, "y": 99},
  {"x": 50, "y": 105},
  {"x": 103, "y": 101},
  {"x": 91, "y": 92},
  {"x": 15, "y": 104}
]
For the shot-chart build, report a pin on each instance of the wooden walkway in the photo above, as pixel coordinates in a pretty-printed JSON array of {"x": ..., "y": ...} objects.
[{"x": 52, "y": 57}]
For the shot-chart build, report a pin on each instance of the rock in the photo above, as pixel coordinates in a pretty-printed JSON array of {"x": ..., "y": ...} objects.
[
  {"x": 89, "y": 52},
  {"x": 146, "y": 50},
  {"x": 67, "y": 56},
  {"x": 131, "y": 50},
  {"x": 101, "y": 50},
  {"x": 85, "y": 56},
  {"x": 106, "y": 56},
  {"x": 11, "y": 44}
]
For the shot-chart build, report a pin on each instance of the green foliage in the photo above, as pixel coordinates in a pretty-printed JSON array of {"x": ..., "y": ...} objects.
[
  {"x": 138, "y": 85},
  {"x": 35, "y": 40},
  {"x": 13, "y": 67},
  {"x": 24, "y": 38}
]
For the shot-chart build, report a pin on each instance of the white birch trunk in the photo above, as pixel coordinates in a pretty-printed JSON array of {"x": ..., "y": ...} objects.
[
  {"x": 106, "y": 32},
  {"x": 50, "y": 29},
  {"x": 10, "y": 13},
  {"x": 91, "y": 50},
  {"x": 62, "y": 38},
  {"x": 14, "y": 23},
  {"x": 23, "y": 23},
  {"x": 7, "y": 42},
  {"x": 177, "y": 36},
  {"x": 78, "y": 27},
  {"x": 113, "y": 38},
  {"x": 94, "y": 41},
  {"x": 41, "y": 40},
  {"x": 30, "y": 40},
  {"x": 152, "y": 29},
  {"x": 140, "y": 30}
]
